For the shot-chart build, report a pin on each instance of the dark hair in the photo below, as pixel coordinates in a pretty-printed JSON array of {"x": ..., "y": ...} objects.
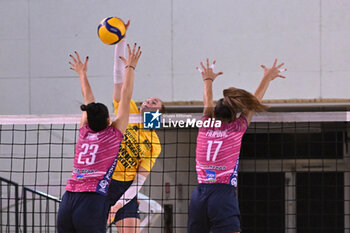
[
  {"x": 97, "y": 115},
  {"x": 162, "y": 109},
  {"x": 236, "y": 101}
]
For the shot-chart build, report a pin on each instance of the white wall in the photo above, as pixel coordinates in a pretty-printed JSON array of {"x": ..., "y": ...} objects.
[{"x": 36, "y": 37}]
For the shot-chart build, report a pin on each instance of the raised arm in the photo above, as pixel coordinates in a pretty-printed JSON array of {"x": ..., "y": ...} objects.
[
  {"x": 269, "y": 75},
  {"x": 122, "y": 119},
  {"x": 118, "y": 74},
  {"x": 81, "y": 69},
  {"x": 208, "y": 78}
]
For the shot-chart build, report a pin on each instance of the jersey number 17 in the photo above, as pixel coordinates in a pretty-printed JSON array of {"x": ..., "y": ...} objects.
[{"x": 210, "y": 144}]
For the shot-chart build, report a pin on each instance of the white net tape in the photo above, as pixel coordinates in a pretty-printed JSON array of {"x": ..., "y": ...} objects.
[{"x": 342, "y": 116}]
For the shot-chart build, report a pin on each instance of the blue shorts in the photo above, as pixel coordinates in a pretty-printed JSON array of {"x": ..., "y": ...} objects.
[
  {"x": 214, "y": 207},
  {"x": 116, "y": 190},
  {"x": 83, "y": 212}
]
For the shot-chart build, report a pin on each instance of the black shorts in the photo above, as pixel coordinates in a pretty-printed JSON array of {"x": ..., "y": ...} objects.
[
  {"x": 83, "y": 212},
  {"x": 214, "y": 207},
  {"x": 116, "y": 190}
]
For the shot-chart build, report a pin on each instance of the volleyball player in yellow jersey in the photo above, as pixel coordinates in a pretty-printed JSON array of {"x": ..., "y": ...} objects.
[{"x": 137, "y": 155}]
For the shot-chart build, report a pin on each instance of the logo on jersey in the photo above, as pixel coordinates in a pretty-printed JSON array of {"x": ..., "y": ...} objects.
[
  {"x": 151, "y": 120},
  {"x": 102, "y": 187},
  {"x": 233, "y": 178},
  {"x": 103, "y": 184},
  {"x": 79, "y": 176},
  {"x": 211, "y": 175},
  {"x": 92, "y": 137}
]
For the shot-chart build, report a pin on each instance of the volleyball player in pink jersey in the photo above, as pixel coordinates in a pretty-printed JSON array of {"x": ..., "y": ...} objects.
[
  {"x": 214, "y": 205},
  {"x": 85, "y": 206}
]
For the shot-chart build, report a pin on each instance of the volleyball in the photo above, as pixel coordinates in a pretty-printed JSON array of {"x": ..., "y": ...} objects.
[{"x": 111, "y": 30}]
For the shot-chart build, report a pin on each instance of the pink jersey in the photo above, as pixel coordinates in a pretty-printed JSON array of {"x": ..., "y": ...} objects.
[
  {"x": 95, "y": 159},
  {"x": 217, "y": 152}
]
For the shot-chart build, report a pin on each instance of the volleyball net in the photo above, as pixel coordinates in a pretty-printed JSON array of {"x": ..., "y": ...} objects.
[{"x": 294, "y": 173}]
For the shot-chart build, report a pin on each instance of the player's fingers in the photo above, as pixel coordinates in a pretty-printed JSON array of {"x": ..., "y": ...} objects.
[
  {"x": 133, "y": 49},
  {"x": 75, "y": 61},
  {"x": 139, "y": 55},
  {"x": 129, "y": 50},
  {"x": 275, "y": 62},
  {"x": 127, "y": 24},
  {"x": 77, "y": 54},
  {"x": 280, "y": 65},
  {"x": 264, "y": 67},
  {"x": 123, "y": 59},
  {"x": 86, "y": 60},
  {"x": 213, "y": 65},
  {"x": 218, "y": 74},
  {"x": 281, "y": 76},
  {"x": 199, "y": 69},
  {"x": 138, "y": 51},
  {"x": 283, "y": 70},
  {"x": 203, "y": 66},
  {"x": 207, "y": 63}
]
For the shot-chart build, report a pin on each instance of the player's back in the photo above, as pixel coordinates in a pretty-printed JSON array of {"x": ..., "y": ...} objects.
[
  {"x": 95, "y": 153},
  {"x": 217, "y": 152}
]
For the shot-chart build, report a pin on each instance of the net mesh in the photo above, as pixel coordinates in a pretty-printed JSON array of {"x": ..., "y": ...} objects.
[{"x": 294, "y": 174}]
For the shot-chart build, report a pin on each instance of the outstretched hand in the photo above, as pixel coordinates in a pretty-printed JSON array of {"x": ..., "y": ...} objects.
[
  {"x": 133, "y": 58},
  {"x": 127, "y": 25},
  {"x": 77, "y": 65},
  {"x": 207, "y": 72},
  {"x": 274, "y": 71}
]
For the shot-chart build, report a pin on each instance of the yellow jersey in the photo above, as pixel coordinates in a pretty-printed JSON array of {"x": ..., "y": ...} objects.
[{"x": 140, "y": 147}]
